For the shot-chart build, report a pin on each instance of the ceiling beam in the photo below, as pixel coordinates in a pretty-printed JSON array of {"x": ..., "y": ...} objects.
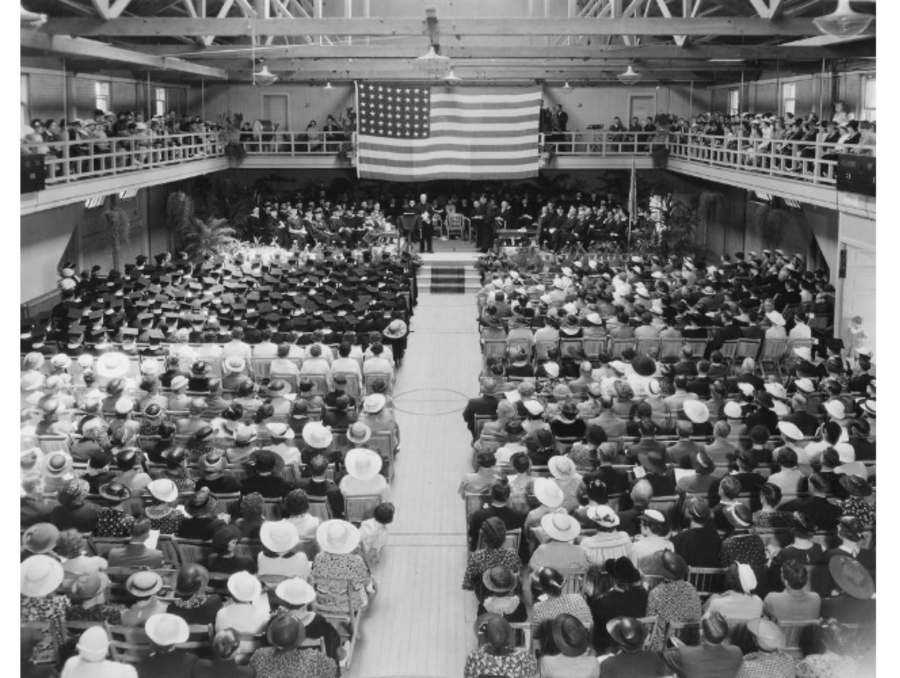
[
  {"x": 66, "y": 46},
  {"x": 389, "y": 65},
  {"x": 164, "y": 27},
  {"x": 864, "y": 48}
]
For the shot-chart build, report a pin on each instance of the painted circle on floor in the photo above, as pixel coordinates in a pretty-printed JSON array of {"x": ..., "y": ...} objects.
[{"x": 430, "y": 401}]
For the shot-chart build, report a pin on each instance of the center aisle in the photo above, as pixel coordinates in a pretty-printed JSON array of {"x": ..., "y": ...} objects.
[{"x": 420, "y": 623}]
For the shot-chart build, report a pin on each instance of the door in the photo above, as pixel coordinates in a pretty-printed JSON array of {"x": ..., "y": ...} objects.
[
  {"x": 275, "y": 109},
  {"x": 641, "y": 106},
  {"x": 858, "y": 293}
]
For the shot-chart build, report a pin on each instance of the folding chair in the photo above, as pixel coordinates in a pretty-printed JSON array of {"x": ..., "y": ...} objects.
[
  {"x": 360, "y": 507},
  {"x": 643, "y": 346},
  {"x": 707, "y": 580},
  {"x": 260, "y": 368},
  {"x": 320, "y": 508},
  {"x": 51, "y": 444},
  {"x": 335, "y": 603},
  {"x": 370, "y": 378},
  {"x": 474, "y": 502},
  {"x": 773, "y": 352},
  {"x": 729, "y": 352},
  {"x": 687, "y": 632},
  {"x": 799, "y": 636},
  {"x": 670, "y": 350},
  {"x": 593, "y": 347},
  {"x": 650, "y": 624},
  {"x": 49, "y": 629},
  {"x": 511, "y": 542},
  {"x": 272, "y": 509},
  {"x": 542, "y": 348},
  {"x": 574, "y": 582},
  {"x": 569, "y": 347},
  {"x": 698, "y": 347},
  {"x": 192, "y": 550},
  {"x": 494, "y": 347},
  {"x": 747, "y": 348},
  {"x": 383, "y": 443},
  {"x": 352, "y": 387},
  {"x": 128, "y": 644},
  {"x": 664, "y": 504}
]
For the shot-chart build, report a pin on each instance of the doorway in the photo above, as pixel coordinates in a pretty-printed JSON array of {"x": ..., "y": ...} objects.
[
  {"x": 275, "y": 110},
  {"x": 641, "y": 106}
]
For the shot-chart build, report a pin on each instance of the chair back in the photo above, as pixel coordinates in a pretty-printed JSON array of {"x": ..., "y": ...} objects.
[
  {"x": 128, "y": 644},
  {"x": 799, "y": 636},
  {"x": 698, "y": 346},
  {"x": 103, "y": 545},
  {"x": 386, "y": 377},
  {"x": 616, "y": 346},
  {"x": 479, "y": 421},
  {"x": 593, "y": 347},
  {"x": 574, "y": 582},
  {"x": 474, "y": 502},
  {"x": 307, "y": 546},
  {"x": 273, "y": 509},
  {"x": 192, "y": 551},
  {"x": 351, "y": 388},
  {"x": 337, "y": 601},
  {"x": 687, "y": 632},
  {"x": 707, "y": 580},
  {"x": 261, "y": 368},
  {"x": 360, "y": 507},
  {"x": 494, "y": 347},
  {"x": 511, "y": 542},
  {"x": 643, "y": 346},
  {"x": 542, "y": 348},
  {"x": 650, "y": 624},
  {"x": 729, "y": 350},
  {"x": 319, "y": 382},
  {"x": 249, "y": 547},
  {"x": 567, "y": 347},
  {"x": 51, "y": 444},
  {"x": 747, "y": 348},
  {"x": 664, "y": 504},
  {"x": 670, "y": 348},
  {"x": 49, "y": 629},
  {"x": 320, "y": 508},
  {"x": 248, "y": 644}
]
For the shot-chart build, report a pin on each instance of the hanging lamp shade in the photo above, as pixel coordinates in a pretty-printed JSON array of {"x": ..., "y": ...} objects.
[
  {"x": 843, "y": 21},
  {"x": 264, "y": 76},
  {"x": 629, "y": 77}
]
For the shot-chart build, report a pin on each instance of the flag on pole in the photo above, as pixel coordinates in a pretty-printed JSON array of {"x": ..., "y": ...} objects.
[{"x": 411, "y": 132}]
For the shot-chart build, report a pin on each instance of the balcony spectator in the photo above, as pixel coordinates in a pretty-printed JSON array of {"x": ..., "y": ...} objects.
[{"x": 313, "y": 137}]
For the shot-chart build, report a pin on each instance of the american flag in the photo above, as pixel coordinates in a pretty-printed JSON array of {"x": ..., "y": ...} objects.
[{"x": 411, "y": 132}]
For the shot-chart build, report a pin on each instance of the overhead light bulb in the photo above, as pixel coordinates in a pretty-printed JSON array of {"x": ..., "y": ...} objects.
[
  {"x": 328, "y": 87},
  {"x": 567, "y": 87},
  {"x": 843, "y": 21},
  {"x": 451, "y": 78},
  {"x": 629, "y": 77}
]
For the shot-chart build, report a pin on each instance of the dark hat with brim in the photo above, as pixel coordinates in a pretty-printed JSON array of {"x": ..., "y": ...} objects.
[
  {"x": 852, "y": 577},
  {"x": 644, "y": 365},
  {"x": 628, "y": 632},
  {"x": 570, "y": 635},
  {"x": 622, "y": 569}
]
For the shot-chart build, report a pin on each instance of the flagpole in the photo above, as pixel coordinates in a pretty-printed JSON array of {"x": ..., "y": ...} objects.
[
  {"x": 632, "y": 202},
  {"x": 355, "y": 134}
]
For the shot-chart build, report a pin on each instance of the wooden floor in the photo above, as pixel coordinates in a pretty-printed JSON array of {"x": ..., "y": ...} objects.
[{"x": 420, "y": 623}]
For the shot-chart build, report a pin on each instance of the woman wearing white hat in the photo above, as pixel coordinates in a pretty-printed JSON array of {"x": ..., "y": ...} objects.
[
  {"x": 378, "y": 418},
  {"x": 91, "y": 661},
  {"x": 338, "y": 540},
  {"x": 559, "y": 552},
  {"x": 40, "y": 576},
  {"x": 278, "y": 557},
  {"x": 567, "y": 477},
  {"x": 162, "y": 513},
  {"x": 296, "y": 595},
  {"x": 363, "y": 475},
  {"x": 166, "y": 632},
  {"x": 249, "y": 613}
]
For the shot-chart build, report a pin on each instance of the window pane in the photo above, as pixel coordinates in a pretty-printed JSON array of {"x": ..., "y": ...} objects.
[{"x": 23, "y": 88}]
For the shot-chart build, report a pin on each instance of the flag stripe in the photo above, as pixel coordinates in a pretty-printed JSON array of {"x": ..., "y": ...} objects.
[
  {"x": 430, "y": 145},
  {"x": 433, "y": 133},
  {"x": 497, "y": 157},
  {"x": 441, "y": 170},
  {"x": 471, "y": 175},
  {"x": 450, "y": 136}
]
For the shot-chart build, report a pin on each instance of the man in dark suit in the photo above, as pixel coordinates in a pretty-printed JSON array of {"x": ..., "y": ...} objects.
[
  {"x": 425, "y": 224},
  {"x": 637, "y": 453},
  {"x": 822, "y": 512},
  {"x": 497, "y": 509},
  {"x": 485, "y": 404},
  {"x": 624, "y": 599},
  {"x": 135, "y": 554},
  {"x": 319, "y": 486},
  {"x": 710, "y": 659},
  {"x": 764, "y": 414},
  {"x": 700, "y": 544}
]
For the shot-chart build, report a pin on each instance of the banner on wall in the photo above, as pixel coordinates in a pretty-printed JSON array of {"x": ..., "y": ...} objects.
[
  {"x": 856, "y": 174},
  {"x": 33, "y": 173}
]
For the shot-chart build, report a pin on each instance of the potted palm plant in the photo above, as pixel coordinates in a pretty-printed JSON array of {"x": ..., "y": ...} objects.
[{"x": 231, "y": 136}]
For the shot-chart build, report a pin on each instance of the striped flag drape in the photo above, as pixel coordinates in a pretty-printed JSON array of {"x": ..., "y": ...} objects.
[{"x": 409, "y": 132}]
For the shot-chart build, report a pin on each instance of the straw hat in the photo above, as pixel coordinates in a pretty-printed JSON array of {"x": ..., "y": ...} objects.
[
  {"x": 234, "y": 364},
  {"x": 167, "y": 629},
  {"x": 40, "y": 538},
  {"x": 560, "y": 526},
  {"x": 144, "y": 584},
  {"x": 790, "y": 431},
  {"x": 396, "y": 330},
  {"x": 337, "y": 536},
  {"x": 56, "y": 465},
  {"x": 696, "y": 411},
  {"x": 279, "y": 536},
  {"x": 835, "y": 409},
  {"x": 768, "y": 636},
  {"x": 315, "y": 434},
  {"x": 561, "y": 467},
  {"x": 548, "y": 493},
  {"x": 362, "y": 464},
  {"x": 280, "y": 430},
  {"x": 40, "y": 575},
  {"x": 295, "y": 592},
  {"x": 358, "y": 433},
  {"x": 31, "y": 381},
  {"x": 374, "y": 403},
  {"x": 499, "y": 579},
  {"x": 603, "y": 515},
  {"x": 244, "y": 587},
  {"x": 112, "y": 365},
  {"x": 149, "y": 367},
  {"x": 163, "y": 489}
]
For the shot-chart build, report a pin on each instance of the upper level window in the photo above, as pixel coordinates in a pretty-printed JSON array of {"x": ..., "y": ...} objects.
[
  {"x": 159, "y": 106},
  {"x": 868, "y": 112},
  {"x": 734, "y": 101},
  {"x": 788, "y": 97},
  {"x": 23, "y": 86},
  {"x": 101, "y": 96}
]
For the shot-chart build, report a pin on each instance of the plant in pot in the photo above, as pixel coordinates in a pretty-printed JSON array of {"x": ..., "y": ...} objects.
[
  {"x": 209, "y": 237},
  {"x": 117, "y": 230},
  {"x": 347, "y": 152},
  {"x": 660, "y": 157},
  {"x": 773, "y": 222},
  {"x": 231, "y": 135}
]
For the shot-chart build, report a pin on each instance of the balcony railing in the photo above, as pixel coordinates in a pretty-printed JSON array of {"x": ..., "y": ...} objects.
[
  {"x": 68, "y": 161},
  {"x": 71, "y": 161},
  {"x": 602, "y": 143},
  {"x": 808, "y": 161}
]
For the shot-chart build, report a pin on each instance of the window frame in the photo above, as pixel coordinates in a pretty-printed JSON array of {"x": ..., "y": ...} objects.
[
  {"x": 102, "y": 93},
  {"x": 24, "y": 95},
  {"x": 785, "y": 88},
  {"x": 867, "y": 112},
  {"x": 734, "y": 100},
  {"x": 160, "y": 103}
]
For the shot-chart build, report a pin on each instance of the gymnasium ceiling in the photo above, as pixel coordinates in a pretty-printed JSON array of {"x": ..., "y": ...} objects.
[{"x": 579, "y": 41}]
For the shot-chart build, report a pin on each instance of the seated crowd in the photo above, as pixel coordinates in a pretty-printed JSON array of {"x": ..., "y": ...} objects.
[
  {"x": 649, "y": 500},
  {"x": 206, "y": 481}
]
